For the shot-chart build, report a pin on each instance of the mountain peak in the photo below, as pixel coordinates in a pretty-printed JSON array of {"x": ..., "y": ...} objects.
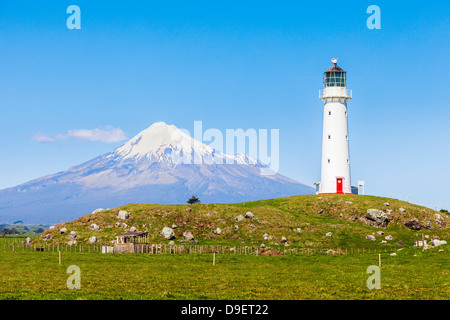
[{"x": 160, "y": 136}]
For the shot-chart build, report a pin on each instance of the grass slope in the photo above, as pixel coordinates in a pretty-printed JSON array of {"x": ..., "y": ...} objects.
[{"x": 276, "y": 217}]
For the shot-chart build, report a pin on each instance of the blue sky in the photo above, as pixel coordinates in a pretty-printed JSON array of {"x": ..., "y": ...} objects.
[{"x": 231, "y": 64}]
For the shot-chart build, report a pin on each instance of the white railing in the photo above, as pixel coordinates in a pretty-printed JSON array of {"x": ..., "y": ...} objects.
[
  {"x": 417, "y": 201},
  {"x": 348, "y": 94}
]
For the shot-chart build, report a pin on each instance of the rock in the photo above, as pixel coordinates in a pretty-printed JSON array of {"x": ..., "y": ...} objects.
[
  {"x": 320, "y": 211},
  {"x": 188, "y": 209},
  {"x": 371, "y": 237},
  {"x": 413, "y": 224},
  {"x": 381, "y": 233},
  {"x": 51, "y": 227},
  {"x": 28, "y": 240},
  {"x": 436, "y": 242},
  {"x": 47, "y": 237},
  {"x": 123, "y": 215},
  {"x": 263, "y": 246},
  {"x": 329, "y": 234},
  {"x": 132, "y": 229},
  {"x": 171, "y": 243},
  {"x": 383, "y": 242},
  {"x": 194, "y": 241},
  {"x": 118, "y": 224},
  {"x": 236, "y": 227},
  {"x": 427, "y": 237},
  {"x": 402, "y": 210},
  {"x": 265, "y": 236},
  {"x": 400, "y": 243},
  {"x": 168, "y": 233},
  {"x": 348, "y": 202},
  {"x": 441, "y": 250},
  {"x": 249, "y": 215},
  {"x": 389, "y": 238},
  {"x": 73, "y": 235},
  {"x": 97, "y": 210},
  {"x": 252, "y": 226},
  {"x": 341, "y": 215},
  {"x": 299, "y": 230},
  {"x": 94, "y": 227},
  {"x": 124, "y": 225},
  {"x": 72, "y": 242},
  {"x": 93, "y": 239},
  {"x": 428, "y": 225},
  {"x": 393, "y": 254},
  {"x": 188, "y": 235},
  {"x": 377, "y": 218},
  {"x": 437, "y": 216},
  {"x": 218, "y": 231},
  {"x": 239, "y": 218},
  {"x": 283, "y": 240},
  {"x": 63, "y": 230},
  {"x": 386, "y": 204},
  {"x": 174, "y": 226}
]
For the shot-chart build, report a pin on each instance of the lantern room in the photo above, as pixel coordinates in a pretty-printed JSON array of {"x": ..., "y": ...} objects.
[{"x": 335, "y": 76}]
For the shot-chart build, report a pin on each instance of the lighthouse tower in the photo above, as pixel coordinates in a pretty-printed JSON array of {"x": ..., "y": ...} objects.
[{"x": 335, "y": 153}]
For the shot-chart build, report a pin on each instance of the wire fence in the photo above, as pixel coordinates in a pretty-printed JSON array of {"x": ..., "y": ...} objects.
[
  {"x": 18, "y": 245},
  {"x": 421, "y": 202}
]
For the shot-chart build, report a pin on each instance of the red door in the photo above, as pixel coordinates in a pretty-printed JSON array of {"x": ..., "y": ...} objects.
[{"x": 339, "y": 185}]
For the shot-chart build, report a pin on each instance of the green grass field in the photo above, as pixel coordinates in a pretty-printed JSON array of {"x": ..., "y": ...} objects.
[
  {"x": 38, "y": 275},
  {"x": 412, "y": 274}
]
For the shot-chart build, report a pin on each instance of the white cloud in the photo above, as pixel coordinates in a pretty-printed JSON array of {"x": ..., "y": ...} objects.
[
  {"x": 108, "y": 135},
  {"x": 43, "y": 138}
]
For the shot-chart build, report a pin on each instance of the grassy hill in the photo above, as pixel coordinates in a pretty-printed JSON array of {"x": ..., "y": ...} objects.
[{"x": 314, "y": 215}]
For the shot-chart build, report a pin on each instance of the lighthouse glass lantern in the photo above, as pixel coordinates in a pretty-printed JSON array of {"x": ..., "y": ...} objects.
[{"x": 335, "y": 171}]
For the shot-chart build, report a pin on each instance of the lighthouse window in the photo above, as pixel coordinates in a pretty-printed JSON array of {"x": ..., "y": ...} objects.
[
  {"x": 329, "y": 113},
  {"x": 348, "y": 162},
  {"x": 329, "y": 137},
  {"x": 346, "y": 137},
  {"x": 329, "y": 161},
  {"x": 334, "y": 79}
]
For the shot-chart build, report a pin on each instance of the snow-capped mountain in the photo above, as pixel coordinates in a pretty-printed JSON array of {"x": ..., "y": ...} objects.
[{"x": 162, "y": 164}]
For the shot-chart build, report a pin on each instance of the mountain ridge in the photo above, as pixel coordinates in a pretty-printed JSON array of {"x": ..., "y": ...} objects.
[{"x": 158, "y": 165}]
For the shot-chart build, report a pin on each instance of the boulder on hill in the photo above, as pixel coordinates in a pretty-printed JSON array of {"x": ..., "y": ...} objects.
[
  {"x": 249, "y": 215},
  {"x": 123, "y": 215},
  {"x": 168, "y": 233},
  {"x": 376, "y": 218},
  {"x": 413, "y": 224}
]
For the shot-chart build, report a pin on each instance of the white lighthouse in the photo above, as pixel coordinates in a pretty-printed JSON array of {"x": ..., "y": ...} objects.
[{"x": 335, "y": 153}]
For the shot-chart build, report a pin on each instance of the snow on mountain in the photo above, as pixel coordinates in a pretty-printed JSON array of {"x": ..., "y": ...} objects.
[{"x": 161, "y": 164}]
